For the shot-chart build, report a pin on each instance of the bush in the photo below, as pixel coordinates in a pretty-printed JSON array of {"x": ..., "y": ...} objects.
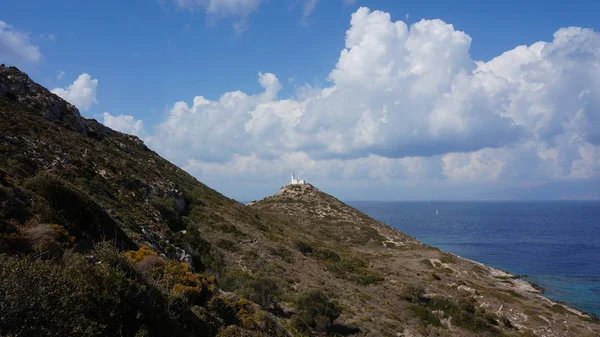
[
  {"x": 168, "y": 211},
  {"x": 558, "y": 309},
  {"x": 327, "y": 255},
  {"x": 47, "y": 240},
  {"x": 12, "y": 240},
  {"x": 177, "y": 279},
  {"x": 447, "y": 258},
  {"x": 138, "y": 255},
  {"x": 95, "y": 295},
  {"x": 203, "y": 255},
  {"x": 14, "y": 202},
  {"x": 283, "y": 253},
  {"x": 316, "y": 310},
  {"x": 228, "y": 245},
  {"x": 413, "y": 293},
  {"x": 246, "y": 315},
  {"x": 266, "y": 291},
  {"x": 77, "y": 212},
  {"x": 304, "y": 247},
  {"x": 464, "y": 313},
  {"x": 425, "y": 314},
  {"x": 261, "y": 289}
]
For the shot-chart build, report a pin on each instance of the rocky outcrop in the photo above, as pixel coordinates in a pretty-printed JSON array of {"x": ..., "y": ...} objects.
[{"x": 17, "y": 86}]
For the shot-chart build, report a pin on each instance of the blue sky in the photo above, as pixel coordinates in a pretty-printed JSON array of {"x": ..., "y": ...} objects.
[{"x": 147, "y": 55}]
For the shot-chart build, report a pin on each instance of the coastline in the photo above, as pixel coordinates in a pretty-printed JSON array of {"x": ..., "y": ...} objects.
[{"x": 521, "y": 284}]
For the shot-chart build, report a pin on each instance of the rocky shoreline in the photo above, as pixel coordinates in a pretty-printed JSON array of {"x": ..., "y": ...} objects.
[{"x": 521, "y": 283}]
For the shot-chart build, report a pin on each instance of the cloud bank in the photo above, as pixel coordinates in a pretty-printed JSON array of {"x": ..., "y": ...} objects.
[{"x": 407, "y": 104}]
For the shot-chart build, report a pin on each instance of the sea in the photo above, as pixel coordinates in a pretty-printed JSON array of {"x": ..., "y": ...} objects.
[{"x": 555, "y": 243}]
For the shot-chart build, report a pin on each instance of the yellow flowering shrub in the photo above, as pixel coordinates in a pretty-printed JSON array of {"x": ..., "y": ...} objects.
[{"x": 138, "y": 255}]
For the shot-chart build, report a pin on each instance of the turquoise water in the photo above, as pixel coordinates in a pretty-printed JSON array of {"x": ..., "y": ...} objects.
[{"x": 555, "y": 243}]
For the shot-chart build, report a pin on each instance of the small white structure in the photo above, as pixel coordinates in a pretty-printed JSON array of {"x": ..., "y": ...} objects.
[{"x": 295, "y": 181}]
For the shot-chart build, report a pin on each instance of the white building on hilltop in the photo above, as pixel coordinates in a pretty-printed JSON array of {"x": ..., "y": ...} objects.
[{"x": 295, "y": 181}]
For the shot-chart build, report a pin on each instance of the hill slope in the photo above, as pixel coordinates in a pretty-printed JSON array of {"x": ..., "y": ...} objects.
[
  {"x": 400, "y": 281},
  {"x": 68, "y": 183}
]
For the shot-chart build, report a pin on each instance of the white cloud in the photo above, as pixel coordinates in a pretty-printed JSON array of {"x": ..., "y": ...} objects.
[
  {"x": 124, "y": 123},
  {"x": 236, "y": 9},
  {"x": 408, "y": 104},
  {"x": 15, "y": 47},
  {"x": 308, "y": 7},
  {"x": 81, "y": 93},
  {"x": 60, "y": 75}
]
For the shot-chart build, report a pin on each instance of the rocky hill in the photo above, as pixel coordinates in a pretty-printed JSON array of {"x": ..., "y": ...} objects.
[
  {"x": 100, "y": 236},
  {"x": 391, "y": 283}
]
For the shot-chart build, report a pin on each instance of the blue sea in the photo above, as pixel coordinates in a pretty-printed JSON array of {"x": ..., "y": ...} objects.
[{"x": 555, "y": 243}]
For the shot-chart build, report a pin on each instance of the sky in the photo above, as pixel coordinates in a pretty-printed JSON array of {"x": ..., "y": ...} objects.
[{"x": 367, "y": 100}]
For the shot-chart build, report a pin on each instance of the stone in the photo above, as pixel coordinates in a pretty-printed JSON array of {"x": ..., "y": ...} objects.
[{"x": 18, "y": 87}]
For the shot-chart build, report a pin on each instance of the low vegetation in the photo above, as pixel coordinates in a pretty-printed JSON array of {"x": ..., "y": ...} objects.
[
  {"x": 463, "y": 312},
  {"x": 315, "y": 310}
]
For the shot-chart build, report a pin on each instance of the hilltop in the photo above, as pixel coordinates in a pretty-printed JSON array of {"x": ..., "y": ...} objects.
[{"x": 101, "y": 236}]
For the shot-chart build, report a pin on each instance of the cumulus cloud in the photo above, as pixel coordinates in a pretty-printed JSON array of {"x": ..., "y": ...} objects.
[
  {"x": 409, "y": 103},
  {"x": 15, "y": 47},
  {"x": 236, "y": 9},
  {"x": 124, "y": 123},
  {"x": 81, "y": 93}
]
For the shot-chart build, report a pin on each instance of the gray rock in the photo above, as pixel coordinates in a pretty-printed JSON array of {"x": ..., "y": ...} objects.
[
  {"x": 17, "y": 86},
  {"x": 183, "y": 256}
]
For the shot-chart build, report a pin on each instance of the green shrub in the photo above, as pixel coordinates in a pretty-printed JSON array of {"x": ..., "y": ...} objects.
[
  {"x": 304, "y": 247},
  {"x": 327, "y": 255},
  {"x": 97, "y": 295},
  {"x": 283, "y": 253},
  {"x": 203, "y": 255},
  {"x": 464, "y": 313},
  {"x": 77, "y": 212},
  {"x": 367, "y": 278},
  {"x": 12, "y": 240},
  {"x": 47, "y": 240},
  {"x": 507, "y": 323},
  {"x": 425, "y": 314},
  {"x": 228, "y": 245},
  {"x": 231, "y": 229},
  {"x": 315, "y": 309},
  {"x": 14, "y": 202},
  {"x": 236, "y": 331},
  {"x": 447, "y": 258},
  {"x": 413, "y": 293},
  {"x": 264, "y": 290},
  {"x": 168, "y": 211},
  {"x": 557, "y": 308}
]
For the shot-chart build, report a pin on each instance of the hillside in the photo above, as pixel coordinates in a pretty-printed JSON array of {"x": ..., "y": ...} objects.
[
  {"x": 100, "y": 236},
  {"x": 392, "y": 283}
]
